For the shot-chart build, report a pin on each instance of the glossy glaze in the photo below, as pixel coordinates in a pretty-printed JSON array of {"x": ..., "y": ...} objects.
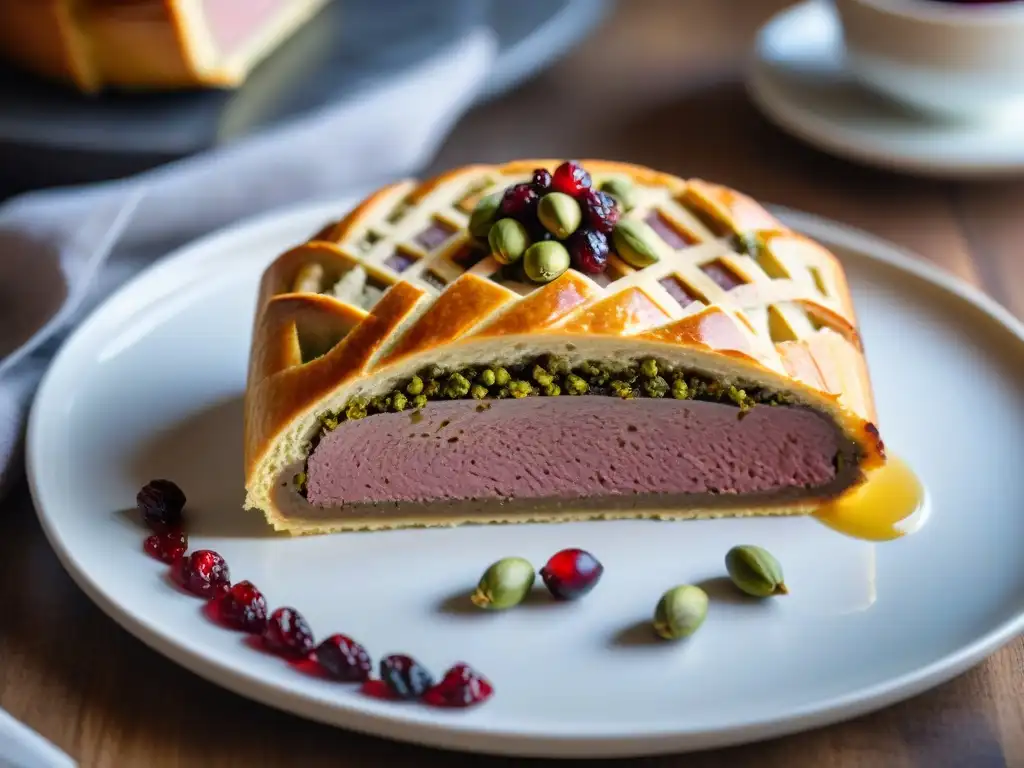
[{"x": 888, "y": 506}]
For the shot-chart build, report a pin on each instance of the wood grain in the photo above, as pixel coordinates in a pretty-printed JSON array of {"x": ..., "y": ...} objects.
[{"x": 660, "y": 84}]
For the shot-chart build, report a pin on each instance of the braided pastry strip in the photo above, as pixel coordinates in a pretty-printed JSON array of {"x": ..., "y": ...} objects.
[{"x": 396, "y": 284}]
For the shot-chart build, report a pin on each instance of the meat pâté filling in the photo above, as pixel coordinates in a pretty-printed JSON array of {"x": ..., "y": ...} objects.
[{"x": 594, "y": 436}]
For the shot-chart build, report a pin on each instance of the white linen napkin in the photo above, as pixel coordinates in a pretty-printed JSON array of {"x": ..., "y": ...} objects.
[{"x": 62, "y": 251}]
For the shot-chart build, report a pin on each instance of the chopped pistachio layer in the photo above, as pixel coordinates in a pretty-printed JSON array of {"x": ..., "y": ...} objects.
[{"x": 549, "y": 376}]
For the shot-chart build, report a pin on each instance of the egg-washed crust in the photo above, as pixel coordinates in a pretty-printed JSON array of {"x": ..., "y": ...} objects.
[
  {"x": 130, "y": 44},
  {"x": 788, "y": 325}
]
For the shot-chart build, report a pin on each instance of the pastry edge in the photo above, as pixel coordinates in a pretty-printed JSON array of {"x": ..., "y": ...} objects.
[{"x": 301, "y": 527}]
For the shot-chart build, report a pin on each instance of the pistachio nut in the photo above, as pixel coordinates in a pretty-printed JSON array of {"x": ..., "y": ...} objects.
[
  {"x": 621, "y": 389},
  {"x": 656, "y": 387},
  {"x": 457, "y": 386},
  {"x": 755, "y": 571},
  {"x": 415, "y": 386},
  {"x": 504, "y": 584},
  {"x": 545, "y": 261},
  {"x": 621, "y": 189},
  {"x": 356, "y": 408},
  {"x": 484, "y": 214},
  {"x": 559, "y": 214},
  {"x": 636, "y": 243},
  {"x": 576, "y": 385},
  {"x": 680, "y": 612},
  {"x": 508, "y": 240},
  {"x": 518, "y": 388},
  {"x": 741, "y": 398},
  {"x": 542, "y": 377}
]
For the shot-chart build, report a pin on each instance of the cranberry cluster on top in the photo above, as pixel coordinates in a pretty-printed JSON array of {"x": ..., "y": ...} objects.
[{"x": 554, "y": 221}]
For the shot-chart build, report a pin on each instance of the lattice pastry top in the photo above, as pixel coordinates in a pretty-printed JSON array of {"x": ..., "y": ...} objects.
[{"x": 400, "y": 283}]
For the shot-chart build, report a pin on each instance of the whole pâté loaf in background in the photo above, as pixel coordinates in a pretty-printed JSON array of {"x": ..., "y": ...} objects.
[
  {"x": 551, "y": 341},
  {"x": 147, "y": 44}
]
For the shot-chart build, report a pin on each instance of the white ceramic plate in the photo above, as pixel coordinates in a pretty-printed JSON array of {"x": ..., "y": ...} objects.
[
  {"x": 799, "y": 81},
  {"x": 151, "y": 386}
]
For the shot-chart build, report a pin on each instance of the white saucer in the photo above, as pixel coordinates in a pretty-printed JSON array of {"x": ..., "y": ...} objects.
[
  {"x": 151, "y": 385},
  {"x": 799, "y": 81}
]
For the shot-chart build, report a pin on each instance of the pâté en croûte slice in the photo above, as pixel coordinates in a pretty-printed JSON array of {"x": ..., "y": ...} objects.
[{"x": 544, "y": 341}]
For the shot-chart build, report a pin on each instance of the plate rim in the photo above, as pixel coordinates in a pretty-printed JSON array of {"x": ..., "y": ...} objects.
[
  {"x": 829, "y": 137},
  {"x": 471, "y": 737}
]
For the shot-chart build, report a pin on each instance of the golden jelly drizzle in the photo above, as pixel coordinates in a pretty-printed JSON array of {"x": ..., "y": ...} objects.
[{"x": 890, "y": 504}]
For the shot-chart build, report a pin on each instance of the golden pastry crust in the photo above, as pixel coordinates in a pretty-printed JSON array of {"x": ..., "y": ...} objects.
[
  {"x": 132, "y": 44},
  {"x": 788, "y": 325}
]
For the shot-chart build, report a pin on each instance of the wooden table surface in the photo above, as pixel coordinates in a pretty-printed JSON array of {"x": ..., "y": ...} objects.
[{"x": 660, "y": 84}]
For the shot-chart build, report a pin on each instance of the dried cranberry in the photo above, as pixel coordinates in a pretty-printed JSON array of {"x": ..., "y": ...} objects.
[
  {"x": 167, "y": 546},
  {"x": 520, "y": 202},
  {"x": 244, "y": 607},
  {"x": 541, "y": 180},
  {"x": 405, "y": 676},
  {"x": 571, "y": 573},
  {"x": 462, "y": 686},
  {"x": 205, "y": 573},
  {"x": 600, "y": 210},
  {"x": 344, "y": 659},
  {"x": 161, "y": 502},
  {"x": 570, "y": 178},
  {"x": 288, "y": 634},
  {"x": 589, "y": 250}
]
